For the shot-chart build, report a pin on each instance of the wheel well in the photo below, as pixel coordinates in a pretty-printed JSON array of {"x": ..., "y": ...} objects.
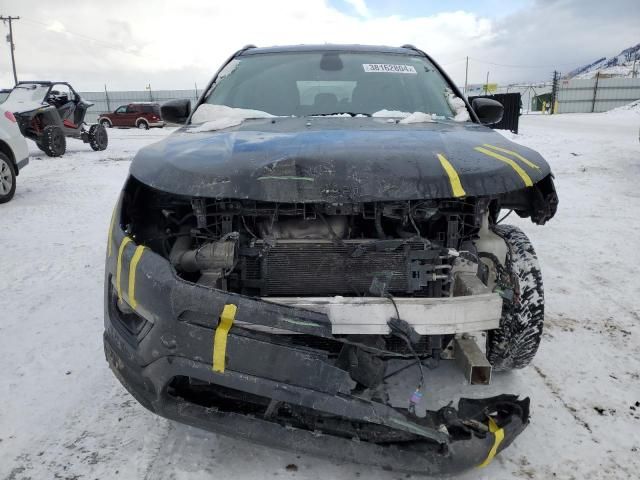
[
  {"x": 104, "y": 119},
  {"x": 141, "y": 119},
  {"x": 6, "y": 149}
]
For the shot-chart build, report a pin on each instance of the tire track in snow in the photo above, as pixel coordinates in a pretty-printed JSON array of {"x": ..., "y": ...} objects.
[{"x": 555, "y": 392}]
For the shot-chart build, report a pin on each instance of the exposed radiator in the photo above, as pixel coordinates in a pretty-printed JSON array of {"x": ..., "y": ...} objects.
[{"x": 323, "y": 268}]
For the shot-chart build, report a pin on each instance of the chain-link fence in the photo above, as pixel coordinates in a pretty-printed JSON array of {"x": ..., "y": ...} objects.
[{"x": 532, "y": 95}]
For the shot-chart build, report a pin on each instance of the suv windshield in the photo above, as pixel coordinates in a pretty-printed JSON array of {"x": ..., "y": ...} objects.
[{"x": 325, "y": 83}]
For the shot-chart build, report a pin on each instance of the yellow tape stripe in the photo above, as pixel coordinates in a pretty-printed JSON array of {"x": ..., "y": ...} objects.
[
  {"x": 498, "y": 437},
  {"x": 525, "y": 178},
  {"x": 137, "y": 255},
  {"x": 454, "y": 179},
  {"x": 125, "y": 240},
  {"x": 220, "y": 337},
  {"x": 513, "y": 154},
  {"x": 110, "y": 239}
]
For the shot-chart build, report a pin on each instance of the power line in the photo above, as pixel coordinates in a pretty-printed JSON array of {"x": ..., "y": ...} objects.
[
  {"x": 452, "y": 62},
  {"x": 525, "y": 66},
  {"x": 102, "y": 43},
  {"x": 13, "y": 47}
]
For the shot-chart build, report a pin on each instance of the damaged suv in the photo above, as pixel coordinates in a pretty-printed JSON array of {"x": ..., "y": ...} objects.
[{"x": 326, "y": 214}]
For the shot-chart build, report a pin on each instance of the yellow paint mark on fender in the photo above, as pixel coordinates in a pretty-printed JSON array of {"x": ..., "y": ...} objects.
[
  {"x": 498, "y": 437},
  {"x": 110, "y": 238},
  {"x": 518, "y": 169},
  {"x": 133, "y": 267},
  {"x": 220, "y": 337},
  {"x": 123, "y": 244},
  {"x": 513, "y": 154},
  {"x": 454, "y": 179}
]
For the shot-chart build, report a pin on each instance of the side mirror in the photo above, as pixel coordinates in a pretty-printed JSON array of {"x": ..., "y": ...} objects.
[
  {"x": 176, "y": 111},
  {"x": 489, "y": 111}
]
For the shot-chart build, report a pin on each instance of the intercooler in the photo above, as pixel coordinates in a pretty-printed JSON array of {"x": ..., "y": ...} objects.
[{"x": 350, "y": 268}]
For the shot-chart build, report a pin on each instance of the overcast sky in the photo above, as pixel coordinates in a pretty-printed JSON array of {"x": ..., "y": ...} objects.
[{"x": 128, "y": 44}]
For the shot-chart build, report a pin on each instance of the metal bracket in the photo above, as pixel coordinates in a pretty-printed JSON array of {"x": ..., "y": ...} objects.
[
  {"x": 472, "y": 361},
  {"x": 200, "y": 210}
]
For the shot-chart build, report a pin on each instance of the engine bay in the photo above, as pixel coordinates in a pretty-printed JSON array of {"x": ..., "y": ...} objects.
[{"x": 404, "y": 249}]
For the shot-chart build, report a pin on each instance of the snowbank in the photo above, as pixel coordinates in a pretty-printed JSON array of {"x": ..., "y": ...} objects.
[
  {"x": 458, "y": 106},
  {"x": 415, "y": 117},
  {"x": 629, "y": 107},
  {"x": 418, "y": 117},
  {"x": 218, "y": 117},
  {"x": 390, "y": 114}
]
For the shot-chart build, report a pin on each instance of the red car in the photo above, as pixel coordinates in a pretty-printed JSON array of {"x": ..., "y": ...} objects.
[{"x": 140, "y": 115}]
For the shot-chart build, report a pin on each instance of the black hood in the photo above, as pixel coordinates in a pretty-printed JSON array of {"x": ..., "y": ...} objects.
[{"x": 338, "y": 160}]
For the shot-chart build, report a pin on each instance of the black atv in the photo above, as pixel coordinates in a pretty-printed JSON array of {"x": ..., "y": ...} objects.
[{"x": 48, "y": 112}]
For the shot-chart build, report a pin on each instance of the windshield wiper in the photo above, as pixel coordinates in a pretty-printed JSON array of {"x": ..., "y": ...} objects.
[{"x": 338, "y": 113}]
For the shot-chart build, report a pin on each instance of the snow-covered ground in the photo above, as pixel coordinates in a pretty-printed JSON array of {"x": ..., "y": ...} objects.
[{"x": 64, "y": 415}]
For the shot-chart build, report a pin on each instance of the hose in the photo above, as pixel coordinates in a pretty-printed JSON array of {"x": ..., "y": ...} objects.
[{"x": 378, "y": 222}]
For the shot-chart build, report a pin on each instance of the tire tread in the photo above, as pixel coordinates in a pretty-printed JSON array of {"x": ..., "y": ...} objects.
[{"x": 515, "y": 343}]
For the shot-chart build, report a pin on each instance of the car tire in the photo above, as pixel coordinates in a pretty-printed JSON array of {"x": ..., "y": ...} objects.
[
  {"x": 53, "y": 141},
  {"x": 98, "y": 138},
  {"x": 7, "y": 178},
  {"x": 142, "y": 124},
  {"x": 40, "y": 147},
  {"x": 105, "y": 123},
  {"x": 515, "y": 343}
]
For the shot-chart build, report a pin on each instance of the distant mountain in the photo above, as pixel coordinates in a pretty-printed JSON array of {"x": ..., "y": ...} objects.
[{"x": 620, "y": 65}]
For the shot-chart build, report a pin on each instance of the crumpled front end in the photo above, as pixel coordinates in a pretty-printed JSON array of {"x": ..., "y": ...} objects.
[{"x": 217, "y": 337}]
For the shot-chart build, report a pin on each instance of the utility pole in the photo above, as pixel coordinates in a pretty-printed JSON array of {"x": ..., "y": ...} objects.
[
  {"x": 10, "y": 40},
  {"x": 466, "y": 75},
  {"x": 554, "y": 91}
]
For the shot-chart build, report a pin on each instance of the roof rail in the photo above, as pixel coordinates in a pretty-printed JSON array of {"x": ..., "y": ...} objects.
[
  {"x": 247, "y": 47},
  {"x": 409, "y": 46}
]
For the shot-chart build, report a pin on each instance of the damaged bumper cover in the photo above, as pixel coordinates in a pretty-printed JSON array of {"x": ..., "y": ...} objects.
[{"x": 182, "y": 355}]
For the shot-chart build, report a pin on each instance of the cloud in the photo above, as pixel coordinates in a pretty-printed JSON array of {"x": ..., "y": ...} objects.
[
  {"x": 360, "y": 7},
  {"x": 127, "y": 44},
  {"x": 56, "y": 26}
]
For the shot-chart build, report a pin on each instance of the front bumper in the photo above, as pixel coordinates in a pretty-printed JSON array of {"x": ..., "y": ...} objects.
[{"x": 270, "y": 391}]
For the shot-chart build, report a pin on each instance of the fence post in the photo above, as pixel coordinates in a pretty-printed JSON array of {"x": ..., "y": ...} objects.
[
  {"x": 595, "y": 92},
  {"x": 106, "y": 95}
]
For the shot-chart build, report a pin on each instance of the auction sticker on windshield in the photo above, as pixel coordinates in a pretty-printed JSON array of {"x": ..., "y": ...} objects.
[{"x": 388, "y": 68}]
